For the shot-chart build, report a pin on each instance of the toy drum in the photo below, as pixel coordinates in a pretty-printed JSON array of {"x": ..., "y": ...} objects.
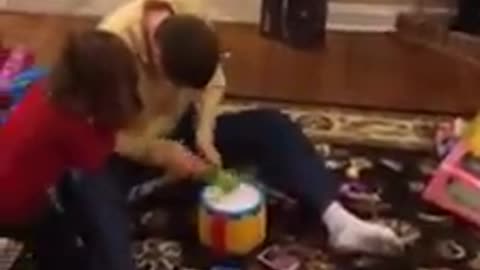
[{"x": 232, "y": 223}]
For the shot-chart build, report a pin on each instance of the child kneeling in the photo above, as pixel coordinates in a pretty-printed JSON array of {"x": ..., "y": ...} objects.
[{"x": 65, "y": 122}]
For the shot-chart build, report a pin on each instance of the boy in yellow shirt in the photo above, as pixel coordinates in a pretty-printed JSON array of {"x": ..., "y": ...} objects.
[
  {"x": 179, "y": 134},
  {"x": 131, "y": 22}
]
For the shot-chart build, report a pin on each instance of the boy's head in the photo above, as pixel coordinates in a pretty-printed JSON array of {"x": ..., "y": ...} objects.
[
  {"x": 97, "y": 77},
  {"x": 188, "y": 50}
]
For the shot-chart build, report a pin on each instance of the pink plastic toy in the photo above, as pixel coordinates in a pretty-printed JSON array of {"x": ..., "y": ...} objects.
[
  {"x": 447, "y": 135},
  {"x": 18, "y": 60},
  {"x": 455, "y": 186}
]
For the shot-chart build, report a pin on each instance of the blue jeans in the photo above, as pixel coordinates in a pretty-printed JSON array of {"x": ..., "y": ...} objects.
[{"x": 265, "y": 139}]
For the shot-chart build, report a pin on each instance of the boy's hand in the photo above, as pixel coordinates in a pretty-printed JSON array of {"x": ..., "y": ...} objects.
[
  {"x": 207, "y": 149},
  {"x": 181, "y": 163}
]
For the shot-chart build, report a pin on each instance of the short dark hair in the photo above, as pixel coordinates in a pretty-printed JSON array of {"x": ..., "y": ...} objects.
[
  {"x": 189, "y": 50},
  {"x": 96, "y": 76}
]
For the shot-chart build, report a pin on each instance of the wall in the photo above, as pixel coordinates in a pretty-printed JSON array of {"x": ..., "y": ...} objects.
[
  {"x": 349, "y": 15},
  {"x": 63, "y": 6}
]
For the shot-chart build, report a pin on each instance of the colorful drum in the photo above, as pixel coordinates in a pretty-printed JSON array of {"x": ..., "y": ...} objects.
[{"x": 232, "y": 223}]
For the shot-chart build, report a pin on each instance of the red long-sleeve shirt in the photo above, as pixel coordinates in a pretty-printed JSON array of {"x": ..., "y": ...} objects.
[{"x": 38, "y": 144}]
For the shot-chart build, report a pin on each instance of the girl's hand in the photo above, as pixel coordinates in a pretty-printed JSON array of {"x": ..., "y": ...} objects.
[{"x": 181, "y": 163}]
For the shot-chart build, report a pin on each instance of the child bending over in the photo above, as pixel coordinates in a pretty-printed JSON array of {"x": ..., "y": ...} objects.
[{"x": 65, "y": 122}]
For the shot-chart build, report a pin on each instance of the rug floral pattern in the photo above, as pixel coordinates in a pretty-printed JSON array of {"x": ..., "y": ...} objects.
[
  {"x": 348, "y": 126},
  {"x": 374, "y": 136},
  {"x": 435, "y": 240}
]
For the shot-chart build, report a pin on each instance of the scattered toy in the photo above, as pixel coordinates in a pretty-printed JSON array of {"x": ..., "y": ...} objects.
[
  {"x": 454, "y": 186},
  {"x": 447, "y": 135},
  {"x": 357, "y": 165},
  {"x": 20, "y": 58},
  {"x": 359, "y": 192},
  {"x": 277, "y": 258}
]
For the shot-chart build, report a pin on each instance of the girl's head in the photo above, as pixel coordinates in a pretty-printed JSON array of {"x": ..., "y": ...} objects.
[{"x": 96, "y": 76}]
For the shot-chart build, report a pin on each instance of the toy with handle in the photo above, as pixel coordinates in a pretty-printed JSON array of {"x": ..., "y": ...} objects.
[{"x": 455, "y": 185}]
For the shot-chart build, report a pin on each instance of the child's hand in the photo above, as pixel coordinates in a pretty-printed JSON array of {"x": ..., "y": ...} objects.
[
  {"x": 181, "y": 163},
  {"x": 207, "y": 149}
]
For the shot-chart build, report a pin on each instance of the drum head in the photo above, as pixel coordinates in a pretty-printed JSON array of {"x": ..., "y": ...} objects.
[{"x": 244, "y": 198}]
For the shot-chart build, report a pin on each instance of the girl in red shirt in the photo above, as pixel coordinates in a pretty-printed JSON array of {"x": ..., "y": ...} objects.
[{"x": 65, "y": 122}]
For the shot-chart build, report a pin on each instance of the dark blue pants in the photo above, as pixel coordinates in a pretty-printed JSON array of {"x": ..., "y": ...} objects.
[
  {"x": 54, "y": 236},
  {"x": 265, "y": 139}
]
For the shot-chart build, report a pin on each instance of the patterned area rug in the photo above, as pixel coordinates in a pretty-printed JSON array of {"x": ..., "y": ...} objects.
[
  {"x": 375, "y": 135},
  {"x": 360, "y": 127},
  {"x": 435, "y": 240}
]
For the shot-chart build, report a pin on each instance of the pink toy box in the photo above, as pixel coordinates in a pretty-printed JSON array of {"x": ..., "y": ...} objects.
[
  {"x": 455, "y": 186},
  {"x": 12, "y": 62},
  {"x": 18, "y": 59}
]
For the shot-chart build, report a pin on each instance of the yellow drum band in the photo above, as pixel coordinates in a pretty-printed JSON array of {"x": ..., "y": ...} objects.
[{"x": 235, "y": 233}]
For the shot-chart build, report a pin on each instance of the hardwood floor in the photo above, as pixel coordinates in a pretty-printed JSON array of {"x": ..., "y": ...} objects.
[
  {"x": 42, "y": 33},
  {"x": 361, "y": 70}
]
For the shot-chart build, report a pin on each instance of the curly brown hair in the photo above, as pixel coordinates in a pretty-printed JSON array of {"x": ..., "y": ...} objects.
[{"x": 96, "y": 76}]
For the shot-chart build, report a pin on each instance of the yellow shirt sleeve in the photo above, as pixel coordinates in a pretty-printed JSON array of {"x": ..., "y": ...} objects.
[
  {"x": 209, "y": 104},
  {"x": 122, "y": 18}
]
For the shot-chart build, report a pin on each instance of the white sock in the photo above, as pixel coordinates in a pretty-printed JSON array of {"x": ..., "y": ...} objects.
[{"x": 348, "y": 233}]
